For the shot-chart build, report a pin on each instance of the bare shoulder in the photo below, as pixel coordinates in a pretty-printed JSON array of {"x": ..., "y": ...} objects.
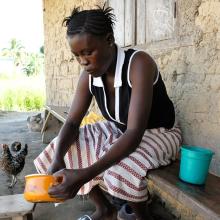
[
  {"x": 144, "y": 59},
  {"x": 144, "y": 65}
]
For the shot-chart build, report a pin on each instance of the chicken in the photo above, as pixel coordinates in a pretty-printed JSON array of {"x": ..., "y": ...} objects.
[{"x": 13, "y": 164}]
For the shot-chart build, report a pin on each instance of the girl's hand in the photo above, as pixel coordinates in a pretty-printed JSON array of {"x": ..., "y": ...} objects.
[
  {"x": 72, "y": 181},
  {"x": 56, "y": 165}
]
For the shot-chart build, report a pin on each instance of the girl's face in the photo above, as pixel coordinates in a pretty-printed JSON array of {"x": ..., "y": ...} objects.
[{"x": 92, "y": 52}]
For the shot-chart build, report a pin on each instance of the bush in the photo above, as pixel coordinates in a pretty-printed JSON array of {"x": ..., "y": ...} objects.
[{"x": 24, "y": 94}]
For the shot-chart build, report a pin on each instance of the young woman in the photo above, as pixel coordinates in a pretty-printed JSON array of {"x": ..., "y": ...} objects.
[{"x": 138, "y": 134}]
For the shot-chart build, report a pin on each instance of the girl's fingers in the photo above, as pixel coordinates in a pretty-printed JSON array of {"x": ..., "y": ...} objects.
[
  {"x": 60, "y": 196},
  {"x": 57, "y": 188}
]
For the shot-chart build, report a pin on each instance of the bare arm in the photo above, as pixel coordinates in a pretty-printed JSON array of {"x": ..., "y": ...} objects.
[{"x": 78, "y": 109}]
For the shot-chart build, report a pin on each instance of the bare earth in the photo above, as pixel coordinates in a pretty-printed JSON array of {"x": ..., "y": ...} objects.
[{"x": 13, "y": 128}]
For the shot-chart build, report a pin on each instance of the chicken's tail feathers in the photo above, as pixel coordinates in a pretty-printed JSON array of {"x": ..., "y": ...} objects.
[
  {"x": 16, "y": 146},
  {"x": 26, "y": 148}
]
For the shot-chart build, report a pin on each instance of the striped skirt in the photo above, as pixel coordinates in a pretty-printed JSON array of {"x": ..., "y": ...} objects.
[{"x": 125, "y": 180}]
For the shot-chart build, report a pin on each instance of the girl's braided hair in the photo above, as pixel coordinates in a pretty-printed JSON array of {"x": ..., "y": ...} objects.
[{"x": 98, "y": 21}]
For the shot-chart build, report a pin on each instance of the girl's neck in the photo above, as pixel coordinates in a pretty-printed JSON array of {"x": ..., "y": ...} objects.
[{"x": 111, "y": 70}]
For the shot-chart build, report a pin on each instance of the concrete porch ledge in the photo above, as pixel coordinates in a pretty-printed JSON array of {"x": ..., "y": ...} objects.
[
  {"x": 186, "y": 201},
  {"x": 15, "y": 207}
]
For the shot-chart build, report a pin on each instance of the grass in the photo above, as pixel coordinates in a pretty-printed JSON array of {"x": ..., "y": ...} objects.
[{"x": 21, "y": 93}]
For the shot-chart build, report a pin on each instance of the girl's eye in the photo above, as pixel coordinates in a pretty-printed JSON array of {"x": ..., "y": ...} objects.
[
  {"x": 87, "y": 53},
  {"x": 74, "y": 57}
]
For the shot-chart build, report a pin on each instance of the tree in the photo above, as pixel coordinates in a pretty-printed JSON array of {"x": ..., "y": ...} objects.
[
  {"x": 15, "y": 51},
  {"x": 34, "y": 64},
  {"x": 42, "y": 49}
]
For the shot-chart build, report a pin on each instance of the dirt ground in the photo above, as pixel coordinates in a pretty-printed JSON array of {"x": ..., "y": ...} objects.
[{"x": 13, "y": 127}]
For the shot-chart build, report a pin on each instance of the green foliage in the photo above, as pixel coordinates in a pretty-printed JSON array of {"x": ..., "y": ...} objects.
[
  {"x": 15, "y": 51},
  {"x": 29, "y": 63},
  {"x": 22, "y": 100},
  {"x": 33, "y": 65},
  {"x": 17, "y": 91},
  {"x": 42, "y": 49},
  {"x": 24, "y": 94}
]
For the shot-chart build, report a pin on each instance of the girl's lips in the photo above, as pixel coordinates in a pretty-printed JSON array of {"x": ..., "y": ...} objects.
[
  {"x": 93, "y": 72},
  {"x": 90, "y": 71}
]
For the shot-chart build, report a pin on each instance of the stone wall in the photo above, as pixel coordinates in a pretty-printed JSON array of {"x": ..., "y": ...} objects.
[{"x": 189, "y": 64}]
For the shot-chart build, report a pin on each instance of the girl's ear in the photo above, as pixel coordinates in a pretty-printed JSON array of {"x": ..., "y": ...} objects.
[{"x": 110, "y": 39}]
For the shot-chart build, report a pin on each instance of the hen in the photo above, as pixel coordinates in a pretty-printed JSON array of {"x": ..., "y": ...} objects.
[{"x": 13, "y": 164}]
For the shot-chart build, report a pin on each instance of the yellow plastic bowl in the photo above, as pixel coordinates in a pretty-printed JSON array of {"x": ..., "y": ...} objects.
[{"x": 37, "y": 186}]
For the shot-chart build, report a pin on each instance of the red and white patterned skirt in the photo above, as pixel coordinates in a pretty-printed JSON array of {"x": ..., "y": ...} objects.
[{"x": 127, "y": 179}]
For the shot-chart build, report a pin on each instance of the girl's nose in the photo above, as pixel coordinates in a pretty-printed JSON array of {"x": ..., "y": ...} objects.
[{"x": 83, "y": 61}]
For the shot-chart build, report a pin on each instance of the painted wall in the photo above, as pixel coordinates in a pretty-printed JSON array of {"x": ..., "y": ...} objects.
[{"x": 189, "y": 64}]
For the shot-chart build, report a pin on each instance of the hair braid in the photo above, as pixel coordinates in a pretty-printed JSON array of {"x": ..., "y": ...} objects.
[{"x": 98, "y": 21}]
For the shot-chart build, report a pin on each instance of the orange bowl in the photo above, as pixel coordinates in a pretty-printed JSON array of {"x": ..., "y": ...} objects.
[{"x": 37, "y": 186}]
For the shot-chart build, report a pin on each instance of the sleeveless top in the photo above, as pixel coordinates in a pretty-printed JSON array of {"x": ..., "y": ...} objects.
[{"x": 162, "y": 110}]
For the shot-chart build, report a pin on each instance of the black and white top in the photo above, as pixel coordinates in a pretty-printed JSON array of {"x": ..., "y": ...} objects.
[{"x": 162, "y": 111}]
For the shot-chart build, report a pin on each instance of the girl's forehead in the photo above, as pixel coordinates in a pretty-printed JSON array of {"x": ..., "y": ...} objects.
[{"x": 84, "y": 40}]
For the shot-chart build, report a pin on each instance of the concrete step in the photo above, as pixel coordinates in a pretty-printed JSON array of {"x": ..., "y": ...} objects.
[
  {"x": 186, "y": 201},
  {"x": 15, "y": 207}
]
